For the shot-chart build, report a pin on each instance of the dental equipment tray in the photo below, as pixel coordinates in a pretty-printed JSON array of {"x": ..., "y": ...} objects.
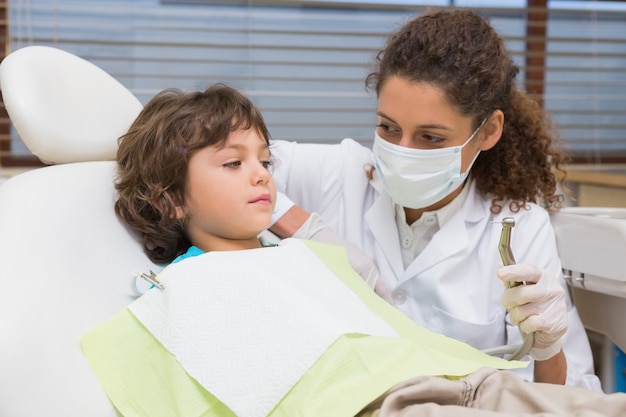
[{"x": 592, "y": 246}]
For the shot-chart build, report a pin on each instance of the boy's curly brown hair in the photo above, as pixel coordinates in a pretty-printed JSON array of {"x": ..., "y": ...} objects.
[
  {"x": 154, "y": 154},
  {"x": 460, "y": 52}
]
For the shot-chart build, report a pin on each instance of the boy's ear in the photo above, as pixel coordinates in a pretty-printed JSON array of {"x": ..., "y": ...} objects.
[
  {"x": 180, "y": 213},
  {"x": 166, "y": 201},
  {"x": 178, "y": 205},
  {"x": 492, "y": 131}
]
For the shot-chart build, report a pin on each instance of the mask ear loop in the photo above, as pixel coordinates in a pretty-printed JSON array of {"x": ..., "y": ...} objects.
[
  {"x": 469, "y": 167},
  {"x": 475, "y": 132},
  {"x": 471, "y": 164}
]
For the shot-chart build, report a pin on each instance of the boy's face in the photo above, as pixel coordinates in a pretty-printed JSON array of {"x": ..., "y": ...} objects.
[{"x": 230, "y": 193}]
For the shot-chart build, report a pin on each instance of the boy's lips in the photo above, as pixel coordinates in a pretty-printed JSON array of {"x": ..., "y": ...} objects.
[{"x": 262, "y": 199}]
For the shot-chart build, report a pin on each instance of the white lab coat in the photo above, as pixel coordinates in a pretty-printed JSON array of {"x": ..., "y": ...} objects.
[{"x": 451, "y": 287}]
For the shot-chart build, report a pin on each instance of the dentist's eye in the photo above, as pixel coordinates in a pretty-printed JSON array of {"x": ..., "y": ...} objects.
[
  {"x": 386, "y": 128},
  {"x": 388, "y": 132},
  {"x": 433, "y": 139}
]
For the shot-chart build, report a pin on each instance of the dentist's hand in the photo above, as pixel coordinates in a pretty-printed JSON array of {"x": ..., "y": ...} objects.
[
  {"x": 315, "y": 229},
  {"x": 289, "y": 220},
  {"x": 539, "y": 307}
]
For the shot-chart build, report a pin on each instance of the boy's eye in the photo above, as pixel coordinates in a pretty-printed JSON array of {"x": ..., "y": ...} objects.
[
  {"x": 233, "y": 164},
  {"x": 267, "y": 164}
]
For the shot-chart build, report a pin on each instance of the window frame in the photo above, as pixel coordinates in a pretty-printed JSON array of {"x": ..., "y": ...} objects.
[{"x": 534, "y": 74}]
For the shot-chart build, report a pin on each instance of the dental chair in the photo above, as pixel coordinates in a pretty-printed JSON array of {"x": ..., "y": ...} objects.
[{"x": 66, "y": 263}]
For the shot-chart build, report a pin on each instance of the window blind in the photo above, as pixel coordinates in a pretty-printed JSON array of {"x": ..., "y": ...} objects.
[{"x": 304, "y": 63}]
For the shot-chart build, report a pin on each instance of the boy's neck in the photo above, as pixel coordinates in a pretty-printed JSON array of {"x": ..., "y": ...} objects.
[{"x": 223, "y": 245}]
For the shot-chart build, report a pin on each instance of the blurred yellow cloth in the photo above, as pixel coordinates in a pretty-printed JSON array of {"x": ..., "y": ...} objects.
[{"x": 143, "y": 379}]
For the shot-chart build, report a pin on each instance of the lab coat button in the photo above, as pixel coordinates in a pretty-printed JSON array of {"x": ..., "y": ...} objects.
[
  {"x": 399, "y": 297},
  {"x": 407, "y": 241}
]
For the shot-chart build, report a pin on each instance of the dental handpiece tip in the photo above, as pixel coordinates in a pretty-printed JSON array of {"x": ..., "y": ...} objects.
[{"x": 508, "y": 221}]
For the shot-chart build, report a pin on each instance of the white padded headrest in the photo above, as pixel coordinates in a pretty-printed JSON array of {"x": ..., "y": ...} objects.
[{"x": 65, "y": 108}]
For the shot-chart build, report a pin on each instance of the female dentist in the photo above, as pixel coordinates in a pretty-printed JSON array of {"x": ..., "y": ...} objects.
[{"x": 457, "y": 148}]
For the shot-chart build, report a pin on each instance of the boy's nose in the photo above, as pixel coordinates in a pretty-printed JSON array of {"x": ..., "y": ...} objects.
[{"x": 262, "y": 175}]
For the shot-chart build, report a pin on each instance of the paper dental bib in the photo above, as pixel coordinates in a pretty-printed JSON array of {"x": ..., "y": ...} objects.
[{"x": 248, "y": 324}]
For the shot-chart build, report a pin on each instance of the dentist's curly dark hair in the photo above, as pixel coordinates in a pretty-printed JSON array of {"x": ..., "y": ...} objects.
[
  {"x": 461, "y": 53},
  {"x": 153, "y": 158}
]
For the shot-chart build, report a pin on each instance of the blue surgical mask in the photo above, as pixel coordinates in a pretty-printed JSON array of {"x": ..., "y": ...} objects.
[{"x": 419, "y": 178}]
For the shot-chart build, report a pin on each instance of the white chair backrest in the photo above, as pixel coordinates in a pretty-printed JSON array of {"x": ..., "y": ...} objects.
[
  {"x": 66, "y": 261},
  {"x": 65, "y": 108}
]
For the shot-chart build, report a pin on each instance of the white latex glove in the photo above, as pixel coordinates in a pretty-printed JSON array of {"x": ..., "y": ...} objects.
[
  {"x": 539, "y": 307},
  {"x": 315, "y": 229}
]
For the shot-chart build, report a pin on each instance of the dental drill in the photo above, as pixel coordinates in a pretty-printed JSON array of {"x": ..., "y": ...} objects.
[{"x": 504, "y": 247}]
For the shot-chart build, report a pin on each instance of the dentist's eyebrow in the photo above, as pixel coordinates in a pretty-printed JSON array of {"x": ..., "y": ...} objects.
[
  {"x": 383, "y": 115},
  {"x": 436, "y": 126},
  {"x": 425, "y": 126}
]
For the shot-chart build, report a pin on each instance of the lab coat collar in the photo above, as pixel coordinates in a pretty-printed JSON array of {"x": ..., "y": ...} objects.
[
  {"x": 380, "y": 218},
  {"x": 455, "y": 234},
  {"x": 453, "y": 237}
]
